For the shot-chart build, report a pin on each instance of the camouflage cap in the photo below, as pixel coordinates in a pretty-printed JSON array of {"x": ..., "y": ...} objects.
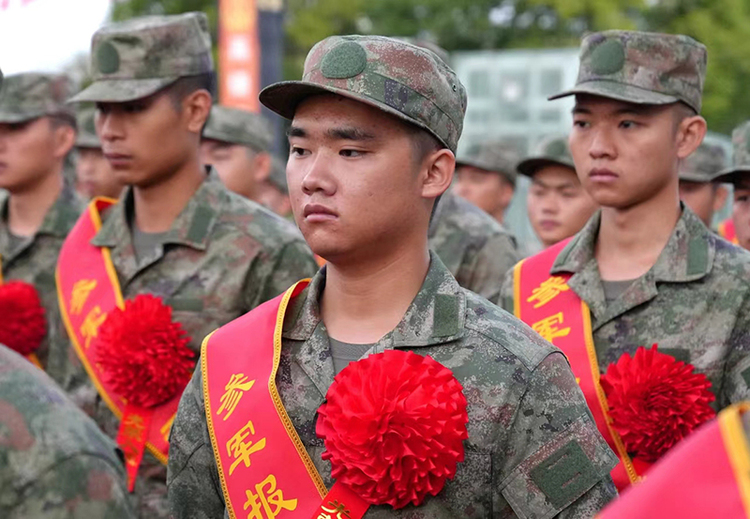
[
  {"x": 740, "y": 155},
  {"x": 552, "y": 151},
  {"x": 278, "y": 175},
  {"x": 27, "y": 96},
  {"x": 238, "y": 127},
  {"x": 134, "y": 59},
  {"x": 497, "y": 157},
  {"x": 87, "y": 137},
  {"x": 394, "y": 76},
  {"x": 704, "y": 164},
  {"x": 641, "y": 67}
]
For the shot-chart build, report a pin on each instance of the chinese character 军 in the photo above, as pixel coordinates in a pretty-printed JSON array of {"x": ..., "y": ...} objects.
[
  {"x": 235, "y": 388},
  {"x": 240, "y": 448},
  {"x": 268, "y": 501},
  {"x": 547, "y": 291},
  {"x": 549, "y": 329}
]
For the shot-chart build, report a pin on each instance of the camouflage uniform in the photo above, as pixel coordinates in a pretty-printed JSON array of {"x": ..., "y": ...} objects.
[
  {"x": 474, "y": 246},
  {"x": 26, "y": 97},
  {"x": 552, "y": 151},
  {"x": 695, "y": 301},
  {"x": 223, "y": 255},
  {"x": 241, "y": 127},
  {"x": 54, "y": 461},
  {"x": 525, "y": 408}
]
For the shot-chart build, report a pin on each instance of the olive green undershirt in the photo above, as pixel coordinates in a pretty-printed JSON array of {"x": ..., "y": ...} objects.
[
  {"x": 343, "y": 353},
  {"x": 614, "y": 289}
]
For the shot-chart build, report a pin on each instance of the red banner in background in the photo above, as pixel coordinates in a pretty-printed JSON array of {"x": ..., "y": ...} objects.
[{"x": 239, "y": 54}]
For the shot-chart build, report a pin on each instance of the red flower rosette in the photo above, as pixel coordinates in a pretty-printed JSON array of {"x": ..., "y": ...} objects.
[
  {"x": 143, "y": 352},
  {"x": 655, "y": 401},
  {"x": 393, "y": 426},
  {"x": 23, "y": 325}
]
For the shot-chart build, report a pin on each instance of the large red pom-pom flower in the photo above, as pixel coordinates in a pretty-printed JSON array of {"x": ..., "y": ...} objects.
[
  {"x": 655, "y": 401},
  {"x": 394, "y": 425},
  {"x": 23, "y": 324},
  {"x": 144, "y": 353}
]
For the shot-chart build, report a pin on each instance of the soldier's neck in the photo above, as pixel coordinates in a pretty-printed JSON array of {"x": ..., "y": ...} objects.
[
  {"x": 157, "y": 206},
  {"x": 28, "y": 207},
  {"x": 363, "y": 302},
  {"x": 631, "y": 240}
]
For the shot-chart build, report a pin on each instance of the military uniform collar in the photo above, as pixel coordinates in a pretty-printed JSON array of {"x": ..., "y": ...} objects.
[
  {"x": 60, "y": 217},
  {"x": 688, "y": 255},
  {"x": 435, "y": 316},
  {"x": 192, "y": 227}
]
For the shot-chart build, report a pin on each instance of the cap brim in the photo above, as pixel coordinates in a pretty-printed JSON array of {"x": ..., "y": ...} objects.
[
  {"x": 121, "y": 90},
  {"x": 11, "y": 117},
  {"x": 86, "y": 141},
  {"x": 529, "y": 167},
  {"x": 727, "y": 176},
  {"x": 619, "y": 92},
  {"x": 284, "y": 97},
  {"x": 694, "y": 177}
]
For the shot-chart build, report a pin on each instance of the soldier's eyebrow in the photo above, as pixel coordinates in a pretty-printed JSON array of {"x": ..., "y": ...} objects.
[
  {"x": 579, "y": 110},
  {"x": 296, "y": 131},
  {"x": 350, "y": 134}
]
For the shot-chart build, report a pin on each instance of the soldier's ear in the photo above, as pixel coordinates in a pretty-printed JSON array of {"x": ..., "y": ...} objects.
[
  {"x": 690, "y": 134},
  {"x": 196, "y": 108},
  {"x": 64, "y": 140},
  {"x": 437, "y": 175}
]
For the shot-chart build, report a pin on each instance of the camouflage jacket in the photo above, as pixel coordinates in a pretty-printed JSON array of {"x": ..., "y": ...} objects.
[
  {"x": 34, "y": 259},
  {"x": 694, "y": 303},
  {"x": 223, "y": 257},
  {"x": 474, "y": 246},
  {"x": 525, "y": 410},
  {"x": 54, "y": 461}
]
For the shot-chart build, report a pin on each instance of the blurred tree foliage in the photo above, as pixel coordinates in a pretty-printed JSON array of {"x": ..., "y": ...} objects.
[{"x": 723, "y": 25}]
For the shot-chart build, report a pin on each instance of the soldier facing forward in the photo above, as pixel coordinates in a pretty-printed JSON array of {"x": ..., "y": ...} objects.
[{"x": 372, "y": 147}]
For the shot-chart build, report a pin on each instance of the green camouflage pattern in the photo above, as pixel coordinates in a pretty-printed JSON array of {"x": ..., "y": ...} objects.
[
  {"x": 54, "y": 461},
  {"x": 237, "y": 126},
  {"x": 740, "y": 155},
  {"x": 497, "y": 157},
  {"x": 704, "y": 164},
  {"x": 87, "y": 137},
  {"x": 641, "y": 67},
  {"x": 550, "y": 151},
  {"x": 278, "y": 175},
  {"x": 31, "y": 95},
  {"x": 136, "y": 58},
  {"x": 224, "y": 256},
  {"x": 400, "y": 78},
  {"x": 477, "y": 250},
  {"x": 33, "y": 260},
  {"x": 694, "y": 304},
  {"x": 524, "y": 407}
]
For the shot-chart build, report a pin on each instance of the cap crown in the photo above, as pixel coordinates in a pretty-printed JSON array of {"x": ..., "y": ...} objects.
[
  {"x": 655, "y": 67},
  {"x": 28, "y": 96},
  {"x": 238, "y": 127},
  {"x": 397, "y": 77},
  {"x": 500, "y": 157},
  {"x": 87, "y": 137},
  {"x": 704, "y": 163},
  {"x": 152, "y": 47}
]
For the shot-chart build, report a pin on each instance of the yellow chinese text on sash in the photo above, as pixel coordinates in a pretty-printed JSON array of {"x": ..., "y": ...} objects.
[
  {"x": 88, "y": 289},
  {"x": 547, "y": 304},
  {"x": 264, "y": 468}
]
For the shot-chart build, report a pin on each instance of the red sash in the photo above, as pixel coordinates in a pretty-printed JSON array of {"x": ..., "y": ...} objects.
[
  {"x": 552, "y": 309},
  {"x": 726, "y": 231},
  {"x": 88, "y": 289},
  {"x": 708, "y": 475},
  {"x": 264, "y": 469}
]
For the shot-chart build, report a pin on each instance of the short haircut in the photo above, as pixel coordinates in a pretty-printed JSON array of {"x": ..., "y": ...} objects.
[
  {"x": 682, "y": 112},
  {"x": 186, "y": 85},
  {"x": 423, "y": 142}
]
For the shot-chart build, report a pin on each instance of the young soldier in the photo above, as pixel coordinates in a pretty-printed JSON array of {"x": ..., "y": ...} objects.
[
  {"x": 177, "y": 232},
  {"x": 38, "y": 206},
  {"x": 375, "y": 123},
  {"x": 487, "y": 177},
  {"x": 557, "y": 204},
  {"x": 697, "y": 188},
  {"x": 737, "y": 229},
  {"x": 645, "y": 270},
  {"x": 94, "y": 176},
  {"x": 236, "y": 143}
]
